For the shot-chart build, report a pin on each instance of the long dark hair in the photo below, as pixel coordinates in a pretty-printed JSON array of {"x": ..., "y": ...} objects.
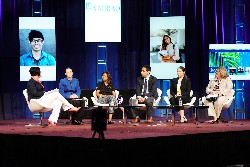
[
  {"x": 164, "y": 44},
  {"x": 109, "y": 77}
]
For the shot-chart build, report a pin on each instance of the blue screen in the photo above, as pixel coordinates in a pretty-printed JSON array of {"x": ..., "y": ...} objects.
[{"x": 234, "y": 57}]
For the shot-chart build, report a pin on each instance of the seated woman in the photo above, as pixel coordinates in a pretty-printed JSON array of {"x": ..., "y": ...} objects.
[
  {"x": 52, "y": 99},
  {"x": 105, "y": 92},
  {"x": 70, "y": 90},
  {"x": 180, "y": 87},
  {"x": 221, "y": 86},
  {"x": 169, "y": 52}
]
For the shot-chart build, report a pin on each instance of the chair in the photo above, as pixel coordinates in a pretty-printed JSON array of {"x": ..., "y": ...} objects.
[
  {"x": 186, "y": 105},
  {"x": 143, "y": 106},
  {"x": 94, "y": 99},
  {"x": 36, "y": 107},
  {"x": 226, "y": 105}
]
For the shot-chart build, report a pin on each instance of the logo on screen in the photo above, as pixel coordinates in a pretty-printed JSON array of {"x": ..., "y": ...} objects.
[{"x": 212, "y": 69}]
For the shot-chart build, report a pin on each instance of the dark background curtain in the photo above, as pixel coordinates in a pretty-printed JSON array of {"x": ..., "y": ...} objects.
[{"x": 207, "y": 21}]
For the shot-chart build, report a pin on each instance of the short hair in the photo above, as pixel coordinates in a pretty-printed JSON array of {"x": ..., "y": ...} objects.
[
  {"x": 35, "y": 71},
  {"x": 68, "y": 68},
  {"x": 35, "y": 34},
  {"x": 182, "y": 68},
  {"x": 148, "y": 68}
]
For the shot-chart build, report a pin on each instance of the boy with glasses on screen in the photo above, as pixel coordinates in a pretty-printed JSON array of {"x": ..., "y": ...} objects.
[{"x": 36, "y": 56}]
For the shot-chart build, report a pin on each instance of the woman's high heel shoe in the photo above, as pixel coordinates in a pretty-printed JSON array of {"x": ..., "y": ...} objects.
[
  {"x": 74, "y": 109},
  {"x": 216, "y": 121},
  {"x": 51, "y": 123},
  {"x": 185, "y": 119}
]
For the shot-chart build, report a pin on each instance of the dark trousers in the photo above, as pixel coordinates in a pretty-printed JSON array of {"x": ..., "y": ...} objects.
[
  {"x": 78, "y": 116},
  {"x": 175, "y": 102},
  {"x": 149, "y": 107}
]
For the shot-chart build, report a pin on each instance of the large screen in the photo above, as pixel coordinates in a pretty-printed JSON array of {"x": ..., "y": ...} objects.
[
  {"x": 234, "y": 57},
  {"x": 102, "y": 20},
  {"x": 167, "y": 46},
  {"x": 37, "y": 47}
]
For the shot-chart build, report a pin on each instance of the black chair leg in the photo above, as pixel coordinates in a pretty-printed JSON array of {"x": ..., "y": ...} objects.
[{"x": 41, "y": 119}]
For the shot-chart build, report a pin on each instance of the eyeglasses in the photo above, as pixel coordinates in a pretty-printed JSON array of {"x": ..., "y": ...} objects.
[{"x": 37, "y": 40}]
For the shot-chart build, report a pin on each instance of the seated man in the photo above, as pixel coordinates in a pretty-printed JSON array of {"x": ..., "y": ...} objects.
[
  {"x": 70, "y": 89},
  {"x": 146, "y": 92}
]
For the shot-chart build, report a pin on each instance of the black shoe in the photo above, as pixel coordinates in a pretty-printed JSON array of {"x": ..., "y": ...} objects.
[
  {"x": 214, "y": 122},
  {"x": 224, "y": 121},
  {"x": 75, "y": 122},
  {"x": 111, "y": 122}
]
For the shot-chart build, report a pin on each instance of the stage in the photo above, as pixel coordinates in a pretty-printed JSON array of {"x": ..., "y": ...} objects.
[{"x": 129, "y": 144}]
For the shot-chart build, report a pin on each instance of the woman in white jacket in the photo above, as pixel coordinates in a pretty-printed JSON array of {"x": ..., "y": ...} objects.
[{"x": 222, "y": 87}]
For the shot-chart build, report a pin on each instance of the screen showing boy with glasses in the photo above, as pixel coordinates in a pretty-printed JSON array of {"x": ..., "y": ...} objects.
[{"x": 36, "y": 56}]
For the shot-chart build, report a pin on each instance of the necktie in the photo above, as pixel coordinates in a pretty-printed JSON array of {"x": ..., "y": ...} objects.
[{"x": 145, "y": 87}]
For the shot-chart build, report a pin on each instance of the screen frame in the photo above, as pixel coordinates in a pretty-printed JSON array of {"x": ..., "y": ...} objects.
[
  {"x": 102, "y": 21},
  {"x": 231, "y": 57},
  {"x": 159, "y": 26},
  {"x": 46, "y": 25}
]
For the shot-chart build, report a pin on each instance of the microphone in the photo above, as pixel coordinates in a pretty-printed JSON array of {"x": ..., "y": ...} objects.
[{"x": 119, "y": 100}]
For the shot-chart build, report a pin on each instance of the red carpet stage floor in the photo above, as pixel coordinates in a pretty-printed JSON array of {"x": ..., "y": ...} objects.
[
  {"x": 186, "y": 144},
  {"x": 120, "y": 131}
]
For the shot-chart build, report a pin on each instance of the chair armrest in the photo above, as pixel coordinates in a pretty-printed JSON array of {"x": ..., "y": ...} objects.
[
  {"x": 203, "y": 99},
  {"x": 228, "y": 102},
  {"x": 193, "y": 100},
  {"x": 167, "y": 100},
  {"x": 188, "y": 104},
  {"x": 141, "y": 105},
  {"x": 157, "y": 101},
  {"x": 133, "y": 97},
  {"x": 86, "y": 101}
]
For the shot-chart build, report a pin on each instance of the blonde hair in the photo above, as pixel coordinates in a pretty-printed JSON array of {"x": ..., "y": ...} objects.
[{"x": 223, "y": 72}]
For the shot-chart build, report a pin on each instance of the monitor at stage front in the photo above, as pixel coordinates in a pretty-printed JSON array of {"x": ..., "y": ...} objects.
[
  {"x": 234, "y": 57},
  {"x": 37, "y": 47},
  {"x": 167, "y": 46}
]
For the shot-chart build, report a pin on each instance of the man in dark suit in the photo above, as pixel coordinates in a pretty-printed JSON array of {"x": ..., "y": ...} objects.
[{"x": 146, "y": 92}]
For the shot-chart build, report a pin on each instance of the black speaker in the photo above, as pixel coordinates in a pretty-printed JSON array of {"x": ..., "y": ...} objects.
[{"x": 99, "y": 120}]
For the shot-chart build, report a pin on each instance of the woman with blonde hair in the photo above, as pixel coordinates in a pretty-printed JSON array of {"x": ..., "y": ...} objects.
[{"x": 221, "y": 87}]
